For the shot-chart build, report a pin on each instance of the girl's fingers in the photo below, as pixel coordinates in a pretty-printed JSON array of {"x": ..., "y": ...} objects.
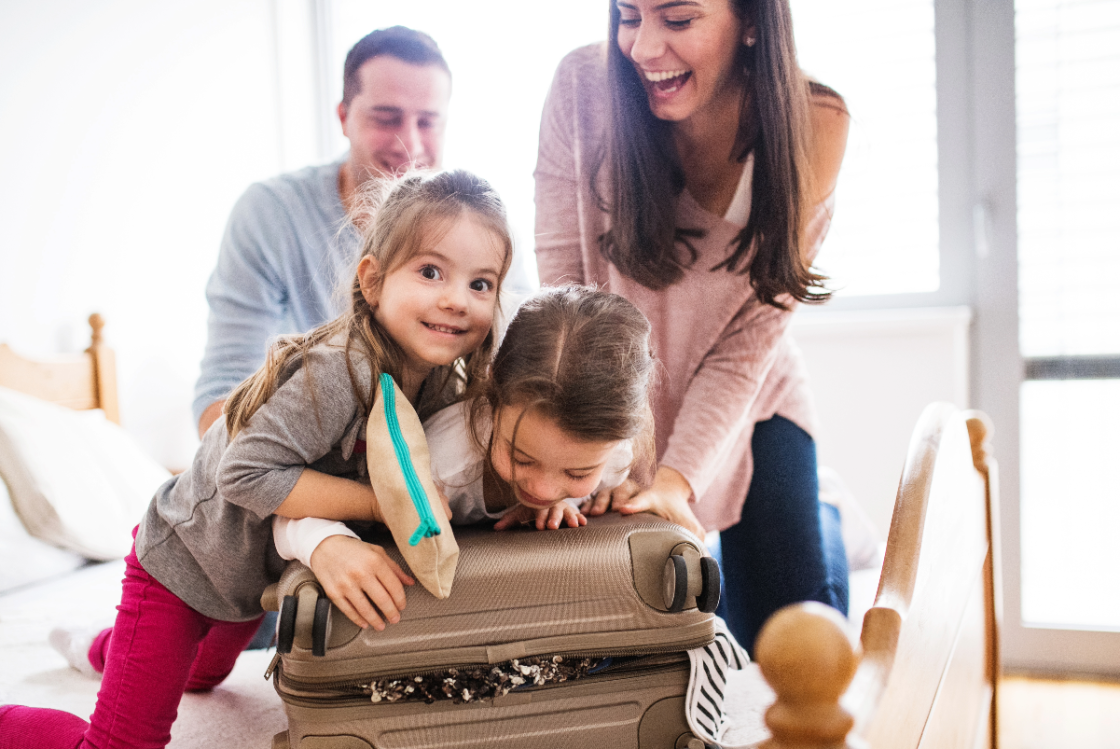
[
  {"x": 512, "y": 518},
  {"x": 395, "y": 568},
  {"x": 574, "y": 517},
  {"x": 350, "y": 613},
  {"x": 383, "y": 599},
  {"x": 364, "y": 609},
  {"x": 598, "y": 504}
]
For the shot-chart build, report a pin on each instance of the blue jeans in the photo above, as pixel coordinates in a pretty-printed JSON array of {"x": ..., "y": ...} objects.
[{"x": 787, "y": 546}]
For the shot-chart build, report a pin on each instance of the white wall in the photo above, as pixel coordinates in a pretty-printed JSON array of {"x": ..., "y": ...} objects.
[
  {"x": 127, "y": 131},
  {"x": 872, "y": 374}
]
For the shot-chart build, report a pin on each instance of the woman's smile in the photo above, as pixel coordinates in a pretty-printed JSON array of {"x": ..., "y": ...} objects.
[{"x": 662, "y": 83}]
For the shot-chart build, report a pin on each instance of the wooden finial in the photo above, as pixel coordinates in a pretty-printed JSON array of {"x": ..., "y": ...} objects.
[
  {"x": 808, "y": 659},
  {"x": 980, "y": 430},
  {"x": 96, "y": 323}
]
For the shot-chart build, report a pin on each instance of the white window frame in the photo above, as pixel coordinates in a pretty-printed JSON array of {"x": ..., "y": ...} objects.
[
  {"x": 978, "y": 261},
  {"x": 979, "y": 268}
]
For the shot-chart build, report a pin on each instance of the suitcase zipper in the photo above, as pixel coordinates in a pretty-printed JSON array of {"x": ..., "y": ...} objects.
[
  {"x": 366, "y": 677},
  {"x": 355, "y": 693}
]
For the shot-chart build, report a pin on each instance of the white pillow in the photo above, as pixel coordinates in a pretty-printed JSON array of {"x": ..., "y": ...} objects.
[
  {"x": 76, "y": 479},
  {"x": 23, "y": 559}
]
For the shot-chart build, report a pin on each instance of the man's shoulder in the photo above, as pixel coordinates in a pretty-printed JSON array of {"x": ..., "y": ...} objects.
[
  {"x": 317, "y": 183},
  {"x": 303, "y": 202}
]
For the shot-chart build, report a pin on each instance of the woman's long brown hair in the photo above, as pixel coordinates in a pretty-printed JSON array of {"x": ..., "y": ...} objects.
[{"x": 646, "y": 177}]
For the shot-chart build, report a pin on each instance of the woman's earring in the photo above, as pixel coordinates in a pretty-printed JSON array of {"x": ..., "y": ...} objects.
[{"x": 751, "y": 40}]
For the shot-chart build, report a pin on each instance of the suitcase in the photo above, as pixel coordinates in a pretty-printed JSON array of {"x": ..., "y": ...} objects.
[{"x": 621, "y": 599}]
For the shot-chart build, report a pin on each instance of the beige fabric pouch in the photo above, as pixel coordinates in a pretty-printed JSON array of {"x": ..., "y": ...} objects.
[{"x": 400, "y": 473}]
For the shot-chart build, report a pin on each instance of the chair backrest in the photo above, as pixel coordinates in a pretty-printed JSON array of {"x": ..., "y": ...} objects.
[
  {"x": 80, "y": 381},
  {"x": 927, "y": 674}
]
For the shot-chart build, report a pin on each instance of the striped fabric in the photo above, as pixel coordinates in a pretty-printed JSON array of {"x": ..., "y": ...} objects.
[{"x": 707, "y": 685}]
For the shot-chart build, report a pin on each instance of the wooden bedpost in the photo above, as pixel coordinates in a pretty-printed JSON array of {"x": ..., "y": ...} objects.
[
  {"x": 808, "y": 658},
  {"x": 980, "y": 431},
  {"x": 104, "y": 371}
]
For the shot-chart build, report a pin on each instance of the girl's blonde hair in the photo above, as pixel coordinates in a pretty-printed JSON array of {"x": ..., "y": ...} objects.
[
  {"x": 581, "y": 357},
  {"x": 405, "y": 215}
]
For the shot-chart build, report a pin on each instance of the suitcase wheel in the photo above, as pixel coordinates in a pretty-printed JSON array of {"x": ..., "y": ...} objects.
[
  {"x": 708, "y": 599},
  {"x": 286, "y": 629},
  {"x": 321, "y": 626},
  {"x": 675, "y": 583}
]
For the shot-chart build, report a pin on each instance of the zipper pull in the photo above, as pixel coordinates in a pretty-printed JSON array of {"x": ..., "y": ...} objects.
[{"x": 272, "y": 666}]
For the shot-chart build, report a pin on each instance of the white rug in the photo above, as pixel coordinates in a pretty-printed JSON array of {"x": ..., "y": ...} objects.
[{"x": 243, "y": 713}]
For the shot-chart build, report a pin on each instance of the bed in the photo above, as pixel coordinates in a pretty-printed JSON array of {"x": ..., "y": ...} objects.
[{"x": 923, "y": 672}]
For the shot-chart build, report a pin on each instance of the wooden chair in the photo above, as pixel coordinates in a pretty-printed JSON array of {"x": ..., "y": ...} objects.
[
  {"x": 925, "y": 672},
  {"x": 80, "y": 381}
]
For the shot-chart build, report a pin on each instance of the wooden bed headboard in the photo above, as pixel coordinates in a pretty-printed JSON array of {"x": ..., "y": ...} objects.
[
  {"x": 926, "y": 670},
  {"x": 79, "y": 381}
]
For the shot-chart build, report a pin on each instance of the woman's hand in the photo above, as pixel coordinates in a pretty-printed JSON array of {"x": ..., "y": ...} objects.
[
  {"x": 668, "y": 497},
  {"x": 561, "y": 513},
  {"x": 358, "y": 577},
  {"x": 602, "y": 501}
]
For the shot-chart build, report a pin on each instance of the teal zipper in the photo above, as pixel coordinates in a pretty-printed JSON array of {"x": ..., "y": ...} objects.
[{"x": 428, "y": 526}]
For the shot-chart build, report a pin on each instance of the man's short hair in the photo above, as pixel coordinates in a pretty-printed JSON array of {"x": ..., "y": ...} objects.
[{"x": 401, "y": 42}]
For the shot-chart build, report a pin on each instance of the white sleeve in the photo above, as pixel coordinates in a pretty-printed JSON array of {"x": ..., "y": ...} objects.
[{"x": 298, "y": 539}]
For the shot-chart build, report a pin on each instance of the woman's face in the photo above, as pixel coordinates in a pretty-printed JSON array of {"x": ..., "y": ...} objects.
[
  {"x": 684, "y": 52},
  {"x": 545, "y": 465}
]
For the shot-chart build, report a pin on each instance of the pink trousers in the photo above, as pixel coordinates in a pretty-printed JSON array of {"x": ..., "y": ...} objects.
[{"x": 159, "y": 648}]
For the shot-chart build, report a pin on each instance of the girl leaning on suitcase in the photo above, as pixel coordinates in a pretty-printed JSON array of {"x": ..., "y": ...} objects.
[
  {"x": 422, "y": 307},
  {"x": 563, "y": 418}
]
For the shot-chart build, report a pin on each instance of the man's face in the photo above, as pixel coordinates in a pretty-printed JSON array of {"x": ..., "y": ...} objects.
[{"x": 397, "y": 118}]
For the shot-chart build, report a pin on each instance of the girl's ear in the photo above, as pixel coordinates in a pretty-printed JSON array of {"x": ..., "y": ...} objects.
[{"x": 369, "y": 273}]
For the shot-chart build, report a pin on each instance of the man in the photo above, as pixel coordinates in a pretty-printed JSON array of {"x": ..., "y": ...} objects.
[{"x": 288, "y": 241}]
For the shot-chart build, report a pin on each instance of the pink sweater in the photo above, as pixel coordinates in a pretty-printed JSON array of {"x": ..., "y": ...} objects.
[{"x": 727, "y": 360}]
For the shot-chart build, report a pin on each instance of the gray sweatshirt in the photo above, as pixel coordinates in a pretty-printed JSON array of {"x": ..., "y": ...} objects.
[{"x": 207, "y": 535}]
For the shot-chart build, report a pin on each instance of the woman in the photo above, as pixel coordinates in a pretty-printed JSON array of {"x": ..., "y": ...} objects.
[{"x": 689, "y": 166}]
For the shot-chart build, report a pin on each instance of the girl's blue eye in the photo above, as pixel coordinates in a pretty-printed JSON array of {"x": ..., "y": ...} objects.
[
  {"x": 481, "y": 284},
  {"x": 430, "y": 272}
]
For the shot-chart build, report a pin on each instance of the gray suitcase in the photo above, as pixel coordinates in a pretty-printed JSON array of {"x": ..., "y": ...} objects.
[{"x": 624, "y": 596}]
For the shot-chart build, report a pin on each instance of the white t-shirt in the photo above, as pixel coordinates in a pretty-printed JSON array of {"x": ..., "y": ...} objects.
[{"x": 457, "y": 468}]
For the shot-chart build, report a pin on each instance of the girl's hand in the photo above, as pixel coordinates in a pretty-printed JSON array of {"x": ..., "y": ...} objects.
[
  {"x": 667, "y": 497},
  {"x": 561, "y": 513},
  {"x": 604, "y": 500},
  {"x": 358, "y": 577}
]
